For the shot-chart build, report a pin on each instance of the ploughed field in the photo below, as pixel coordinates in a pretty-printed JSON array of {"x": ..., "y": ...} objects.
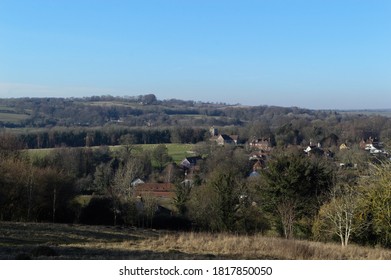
[{"x": 65, "y": 241}]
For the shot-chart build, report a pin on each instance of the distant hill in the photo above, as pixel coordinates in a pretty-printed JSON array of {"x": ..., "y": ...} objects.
[
  {"x": 109, "y": 120},
  {"x": 137, "y": 111},
  {"x": 381, "y": 112}
]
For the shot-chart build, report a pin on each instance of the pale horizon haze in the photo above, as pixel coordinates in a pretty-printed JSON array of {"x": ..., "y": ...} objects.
[{"x": 315, "y": 54}]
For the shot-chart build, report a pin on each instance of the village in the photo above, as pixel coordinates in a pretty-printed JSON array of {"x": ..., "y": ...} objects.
[{"x": 260, "y": 150}]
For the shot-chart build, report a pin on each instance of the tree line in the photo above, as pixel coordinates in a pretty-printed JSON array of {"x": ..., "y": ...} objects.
[
  {"x": 143, "y": 110},
  {"x": 109, "y": 136},
  {"x": 107, "y": 120},
  {"x": 282, "y": 132}
]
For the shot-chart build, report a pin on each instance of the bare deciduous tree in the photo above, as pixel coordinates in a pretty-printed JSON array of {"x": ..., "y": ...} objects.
[
  {"x": 340, "y": 216},
  {"x": 286, "y": 210}
]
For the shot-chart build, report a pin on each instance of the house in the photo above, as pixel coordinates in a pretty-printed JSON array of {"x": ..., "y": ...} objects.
[
  {"x": 235, "y": 138},
  {"x": 137, "y": 182},
  {"x": 260, "y": 155},
  {"x": 157, "y": 190},
  {"x": 369, "y": 143},
  {"x": 224, "y": 139},
  {"x": 347, "y": 165},
  {"x": 374, "y": 150},
  {"x": 373, "y": 146},
  {"x": 191, "y": 165},
  {"x": 314, "y": 150},
  {"x": 261, "y": 144},
  {"x": 189, "y": 162},
  {"x": 343, "y": 146}
]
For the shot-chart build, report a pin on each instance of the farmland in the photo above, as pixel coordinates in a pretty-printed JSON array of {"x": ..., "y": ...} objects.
[
  {"x": 177, "y": 151},
  {"x": 10, "y": 117}
]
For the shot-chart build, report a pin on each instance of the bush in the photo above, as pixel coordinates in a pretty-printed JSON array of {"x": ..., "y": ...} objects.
[
  {"x": 99, "y": 211},
  {"x": 165, "y": 221}
]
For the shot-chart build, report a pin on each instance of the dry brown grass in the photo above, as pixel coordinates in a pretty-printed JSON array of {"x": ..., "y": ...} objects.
[
  {"x": 260, "y": 247},
  {"x": 57, "y": 241}
]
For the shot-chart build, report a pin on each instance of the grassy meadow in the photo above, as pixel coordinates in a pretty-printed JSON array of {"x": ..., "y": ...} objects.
[
  {"x": 177, "y": 151},
  {"x": 12, "y": 117},
  {"x": 62, "y": 241}
]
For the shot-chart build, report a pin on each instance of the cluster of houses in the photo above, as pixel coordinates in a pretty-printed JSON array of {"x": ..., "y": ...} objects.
[
  {"x": 261, "y": 149},
  {"x": 316, "y": 149},
  {"x": 373, "y": 146},
  {"x": 166, "y": 191},
  {"x": 191, "y": 165}
]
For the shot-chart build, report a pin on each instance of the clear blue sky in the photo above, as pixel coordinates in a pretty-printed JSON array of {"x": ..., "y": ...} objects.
[{"x": 318, "y": 54}]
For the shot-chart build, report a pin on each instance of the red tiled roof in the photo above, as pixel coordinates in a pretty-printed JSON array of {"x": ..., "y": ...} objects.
[{"x": 155, "y": 189}]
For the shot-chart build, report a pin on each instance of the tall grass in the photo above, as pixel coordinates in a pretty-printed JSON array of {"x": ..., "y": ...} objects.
[
  {"x": 32, "y": 240},
  {"x": 261, "y": 247}
]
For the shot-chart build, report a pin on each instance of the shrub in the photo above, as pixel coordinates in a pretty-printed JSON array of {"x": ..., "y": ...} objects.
[{"x": 99, "y": 211}]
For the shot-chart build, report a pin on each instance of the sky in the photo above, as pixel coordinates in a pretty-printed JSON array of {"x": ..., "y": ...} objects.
[{"x": 316, "y": 54}]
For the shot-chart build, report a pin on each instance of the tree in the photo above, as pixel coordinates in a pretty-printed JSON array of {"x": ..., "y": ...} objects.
[
  {"x": 148, "y": 99},
  {"x": 144, "y": 160},
  {"x": 200, "y": 208},
  {"x": 259, "y": 129},
  {"x": 149, "y": 205},
  {"x": 226, "y": 189},
  {"x": 340, "y": 216},
  {"x": 249, "y": 216},
  {"x": 54, "y": 192},
  {"x": 357, "y": 159},
  {"x": 286, "y": 209},
  {"x": 377, "y": 203},
  {"x": 160, "y": 156},
  {"x": 293, "y": 186},
  {"x": 10, "y": 145},
  {"x": 109, "y": 182},
  {"x": 229, "y": 159},
  {"x": 114, "y": 180},
  {"x": 124, "y": 176},
  {"x": 213, "y": 206},
  {"x": 182, "y": 196},
  {"x": 15, "y": 189},
  {"x": 102, "y": 177}
]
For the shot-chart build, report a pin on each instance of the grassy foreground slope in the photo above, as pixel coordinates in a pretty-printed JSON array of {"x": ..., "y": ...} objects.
[{"x": 60, "y": 241}]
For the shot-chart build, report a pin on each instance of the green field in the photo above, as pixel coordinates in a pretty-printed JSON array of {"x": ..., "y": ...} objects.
[
  {"x": 177, "y": 151},
  {"x": 11, "y": 117},
  {"x": 39, "y": 153},
  {"x": 112, "y": 103}
]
